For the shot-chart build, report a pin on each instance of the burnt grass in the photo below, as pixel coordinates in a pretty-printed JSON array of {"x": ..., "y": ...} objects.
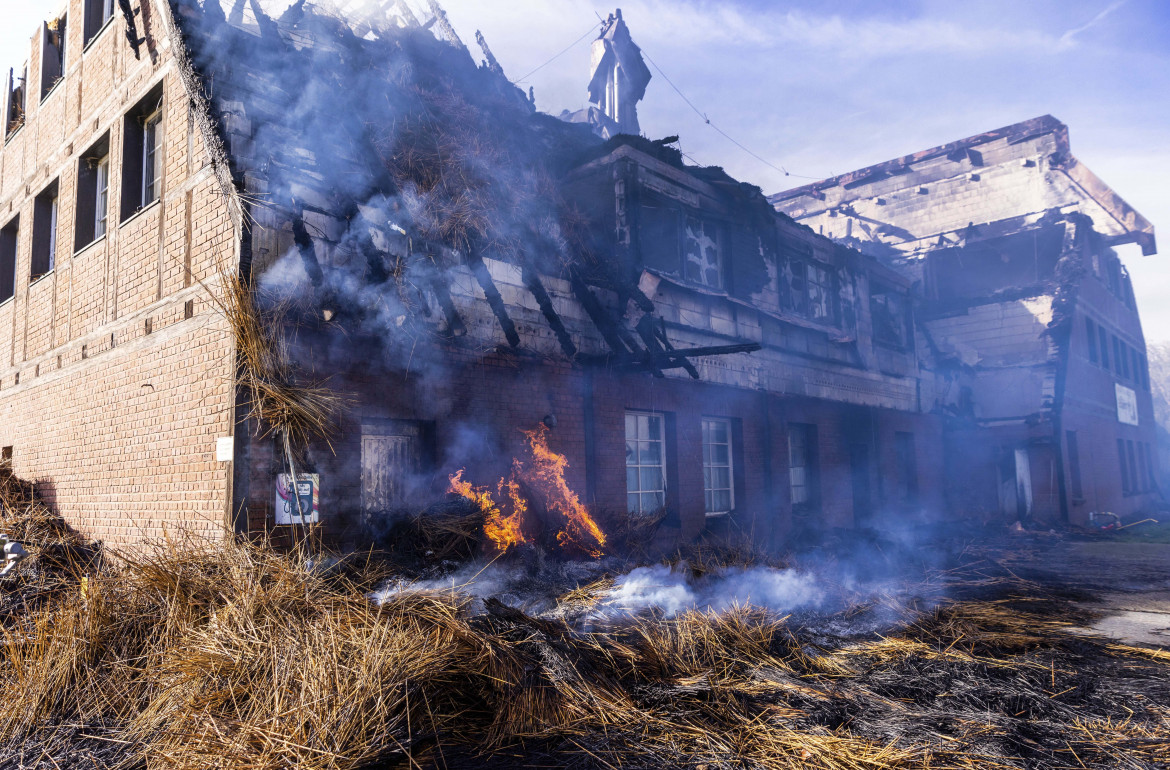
[{"x": 962, "y": 664}]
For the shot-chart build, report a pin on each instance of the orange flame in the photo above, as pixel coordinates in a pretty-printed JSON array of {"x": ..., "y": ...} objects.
[
  {"x": 545, "y": 476},
  {"x": 502, "y": 529}
]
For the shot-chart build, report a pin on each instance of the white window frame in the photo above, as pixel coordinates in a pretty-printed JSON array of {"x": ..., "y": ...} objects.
[
  {"x": 52, "y": 234},
  {"x": 101, "y": 210},
  {"x": 638, "y": 473},
  {"x": 711, "y": 465},
  {"x": 107, "y": 11},
  {"x": 150, "y": 154}
]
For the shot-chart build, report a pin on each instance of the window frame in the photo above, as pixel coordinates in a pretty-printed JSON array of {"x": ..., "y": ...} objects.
[
  {"x": 101, "y": 203},
  {"x": 151, "y": 175},
  {"x": 43, "y": 258},
  {"x": 713, "y": 231},
  {"x": 810, "y": 501},
  {"x": 9, "y": 239},
  {"x": 637, "y": 466},
  {"x": 710, "y": 465},
  {"x": 1091, "y": 329},
  {"x": 96, "y": 16}
]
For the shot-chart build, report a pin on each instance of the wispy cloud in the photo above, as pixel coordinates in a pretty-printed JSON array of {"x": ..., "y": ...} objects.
[{"x": 1069, "y": 39}]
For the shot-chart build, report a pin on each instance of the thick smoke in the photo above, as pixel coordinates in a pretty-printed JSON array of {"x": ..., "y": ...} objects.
[{"x": 671, "y": 590}]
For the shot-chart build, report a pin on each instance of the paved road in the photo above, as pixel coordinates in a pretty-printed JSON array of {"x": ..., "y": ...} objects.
[{"x": 1129, "y": 583}]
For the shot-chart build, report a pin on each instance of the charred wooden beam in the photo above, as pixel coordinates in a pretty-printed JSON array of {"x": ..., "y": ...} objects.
[
  {"x": 713, "y": 350},
  {"x": 131, "y": 27},
  {"x": 438, "y": 284},
  {"x": 304, "y": 243},
  {"x": 494, "y": 298},
  {"x": 657, "y": 327},
  {"x": 654, "y": 350},
  {"x": 532, "y": 281},
  {"x": 597, "y": 314}
]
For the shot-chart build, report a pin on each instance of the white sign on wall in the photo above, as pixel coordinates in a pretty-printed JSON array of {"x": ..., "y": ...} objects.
[
  {"x": 1127, "y": 412},
  {"x": 225, "y": 449}
]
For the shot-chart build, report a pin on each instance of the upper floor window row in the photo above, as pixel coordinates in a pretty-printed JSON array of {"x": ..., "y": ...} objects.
[
  {"x": 1115, "y": 355},
  {"x": 97, "y": 14}
]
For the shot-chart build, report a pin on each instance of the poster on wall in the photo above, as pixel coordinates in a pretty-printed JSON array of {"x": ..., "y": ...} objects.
[
  {"x": 1127, "y": 412},
  {"x": 307, "y": 489}
]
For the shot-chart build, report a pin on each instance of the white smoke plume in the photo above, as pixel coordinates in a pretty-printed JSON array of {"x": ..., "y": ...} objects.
[{"x": 671, "y": 590}]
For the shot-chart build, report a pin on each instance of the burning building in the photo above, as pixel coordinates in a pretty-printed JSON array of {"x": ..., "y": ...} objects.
[
  {"x": 1026, "y": 308},
  {"x": 239, "y": 246}
]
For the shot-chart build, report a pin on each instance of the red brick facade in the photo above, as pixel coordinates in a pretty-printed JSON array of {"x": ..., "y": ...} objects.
[{"x": 116, "y": 372}]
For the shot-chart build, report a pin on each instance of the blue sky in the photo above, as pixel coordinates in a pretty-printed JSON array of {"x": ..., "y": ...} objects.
[{"x": 820, "y": 87}]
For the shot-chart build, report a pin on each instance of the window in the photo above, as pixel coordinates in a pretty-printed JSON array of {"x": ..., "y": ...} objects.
[
  {"x": 907, "y": 479},
  {"x": 142, "y": 154},
  {"x": 802, "y": 450},
  {"x": 820, "y": 294},
  {"x": 1074, "y": 465},
  {"x": 1123, "y": 357},
  {"x": 1091, "y": 328},
  {"x": 44, "y": 245},
  {"x": 1137, "y": 366},
  {"x": 891, "y": 325},
  {"x": 6, "y": 459},
  {"x": 703, "y": 262},
  {"x": 645, "y": 462},
  {"x": 1124, "y": 466},
  {"x": 718, "y": 483},
  {"x": 1133, "y": 469},
  {"x": 1150, "y": 467},
  {"x": 17, "y": 92},
  {"x": 8, "y": 240},
  {"x": 1142, "y": 483},
  {"x": 97, "y": 14},
  {"x": 93, "y": 194},
  {"x": 1145, "y": 372},
  {"x": 52, "y": 55},
  {"x": 1103, "y": 338}
]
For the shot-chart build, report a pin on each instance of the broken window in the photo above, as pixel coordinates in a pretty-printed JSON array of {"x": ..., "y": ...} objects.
[
  {"x": 802, "y": 466},
  {"x": 5, "y": 460},
  {"x": 704, "y": 258},
  {"x": 891, "y": 319},
  {"x": 93, "y": 194},
  {"x": 1145, "y": 372},
  {"x": 645, "y": 462},
  {"x": 97, "y": 14},
  {"x": 8, "y": 240},
  {"x": 820, "y": 294},
  {"x": 718, "y": 487},
  {"x": 1074, "y": 465},
  {"x": 1091, "y": 328},
  {"x": 52, "y": 55},
  {"x": 658, "y": 237},
  {"x": 17, "y": 103},
  {"x": 142, "y": 154},
  {"x": 44, "y": 245}
]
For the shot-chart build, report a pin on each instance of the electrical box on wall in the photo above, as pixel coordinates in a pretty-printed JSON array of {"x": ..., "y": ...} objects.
[{"x": 307, "y": 490}]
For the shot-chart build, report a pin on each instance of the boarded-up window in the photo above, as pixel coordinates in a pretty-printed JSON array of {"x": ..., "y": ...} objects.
[{"x": 393, "y": 457}]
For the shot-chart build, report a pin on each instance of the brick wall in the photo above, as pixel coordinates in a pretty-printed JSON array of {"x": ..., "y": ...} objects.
[{"x": 116, "y": 370}]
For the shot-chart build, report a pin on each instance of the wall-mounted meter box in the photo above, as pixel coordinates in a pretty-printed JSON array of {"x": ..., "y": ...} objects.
[{"x": 308, "y": 490}]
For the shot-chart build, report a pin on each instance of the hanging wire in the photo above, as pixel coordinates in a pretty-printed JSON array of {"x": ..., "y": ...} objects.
[
  {"x": 723, "y": 133},
  {"x": 559, "y": 55}
]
